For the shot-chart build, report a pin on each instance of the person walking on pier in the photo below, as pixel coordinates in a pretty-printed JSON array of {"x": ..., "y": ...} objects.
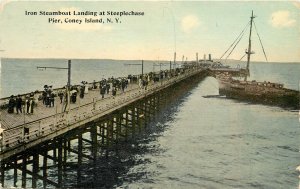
[
  {"x": 44, "y": 96},
  {"x": 123, "y": 85},
  {"x": 73, "y": 95},
  {"x": 28, "y": 105},
  {"x": 49, "y": 97},
  {"x": 94, "y": 84},
  {"x": 19, "y": 104},
  {"x": 81, "y": 94},
  {"x": 47, "y": 102},
  {"x": 52, "y": 98},
  {"x": 11, "y": 104},
  {"x": 31, "y": 105},
  {"x": 145, "y": 84},
  {"x": 107, "y": 87},
  {"x": 65, "y": 101},
  {"x": 61, "y": 95},
  {"x": 114, "y": 92},
  {"x": 86, "y": 87},
  {"x": 102, "y": 91},
  {"x": 140, "y": 82}
]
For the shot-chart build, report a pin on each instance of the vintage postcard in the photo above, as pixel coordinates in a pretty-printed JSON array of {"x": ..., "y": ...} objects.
[{"x": 149, "y": 94}]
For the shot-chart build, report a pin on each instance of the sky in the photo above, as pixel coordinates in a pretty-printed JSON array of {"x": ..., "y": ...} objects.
[{"x": 184, "y": 27}]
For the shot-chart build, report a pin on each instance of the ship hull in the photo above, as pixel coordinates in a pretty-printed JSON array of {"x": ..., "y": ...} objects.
[{"x": 260, "y": 93}]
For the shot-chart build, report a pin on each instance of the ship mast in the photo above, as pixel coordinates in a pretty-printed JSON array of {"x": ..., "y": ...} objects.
[{"x": 248, "y": 52}]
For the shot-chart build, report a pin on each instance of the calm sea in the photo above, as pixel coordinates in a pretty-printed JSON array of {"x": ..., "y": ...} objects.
[{"x": 196, "y": 142}]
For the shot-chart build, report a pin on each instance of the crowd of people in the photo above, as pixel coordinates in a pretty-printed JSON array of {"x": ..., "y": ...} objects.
[
  {"x": 19, "y": 105},
  {"x": 48, "y": 96},
  {"x": 105, "y": 87}
]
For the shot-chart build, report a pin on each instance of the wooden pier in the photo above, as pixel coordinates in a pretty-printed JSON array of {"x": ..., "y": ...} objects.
[
  {"x": 32, "y": 142},
  {"x": 23, "y": 131}
]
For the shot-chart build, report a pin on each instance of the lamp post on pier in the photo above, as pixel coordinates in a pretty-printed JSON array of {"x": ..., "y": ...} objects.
[{"x": 69, "y": 79}]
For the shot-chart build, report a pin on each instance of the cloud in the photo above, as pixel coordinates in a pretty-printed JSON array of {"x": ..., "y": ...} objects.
[
  {"x": 189, "y": 22},
  {"x": 82, "y": 26},
  {"x": 297, "y": 4},
  {"x": 282, "y": 19}
]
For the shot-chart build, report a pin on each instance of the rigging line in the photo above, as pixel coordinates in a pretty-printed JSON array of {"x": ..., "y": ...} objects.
[
  {"x": 236, "y": 39},
  {"x": 243, "y": 56},
  {"x": 235, "y": 45},
  {"x": 260, "y": 42}
]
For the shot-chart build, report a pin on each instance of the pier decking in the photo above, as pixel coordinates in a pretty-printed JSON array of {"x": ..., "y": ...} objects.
[{"x": 22, "y": 131}]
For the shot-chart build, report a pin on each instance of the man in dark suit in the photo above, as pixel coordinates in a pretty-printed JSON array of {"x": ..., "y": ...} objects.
[
  {"x": 19, "y": 104},
  {"x": 11, "y": 104}
]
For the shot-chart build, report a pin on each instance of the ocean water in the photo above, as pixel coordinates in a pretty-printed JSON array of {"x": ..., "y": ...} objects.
[
  {"x": 22, "y": 76},
  {"x": 195, "y": 142},
  {"x": 219, "y": 143}
]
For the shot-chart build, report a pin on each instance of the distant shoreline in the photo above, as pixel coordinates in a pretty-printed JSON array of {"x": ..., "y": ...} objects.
[{"x": 215, "y": 60}]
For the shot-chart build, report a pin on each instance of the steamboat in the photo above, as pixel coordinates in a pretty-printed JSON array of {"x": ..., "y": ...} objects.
[{"x": 267, "y": 93}]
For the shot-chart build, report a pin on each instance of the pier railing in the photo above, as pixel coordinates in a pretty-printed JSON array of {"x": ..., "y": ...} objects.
[{"x": 39, "y": 129}]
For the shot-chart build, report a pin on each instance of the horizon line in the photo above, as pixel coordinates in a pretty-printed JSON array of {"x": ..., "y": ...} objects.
[{"x": 57, "y": 58}]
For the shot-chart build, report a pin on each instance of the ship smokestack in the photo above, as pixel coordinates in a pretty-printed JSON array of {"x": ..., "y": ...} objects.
[{"x": 209, "y": 57}]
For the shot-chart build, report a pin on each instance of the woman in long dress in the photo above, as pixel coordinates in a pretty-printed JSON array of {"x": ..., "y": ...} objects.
[
  {"x": 86, "y": 88},
  {"x": 27, "y": 105},
  {"x": 31, "y": 105}
]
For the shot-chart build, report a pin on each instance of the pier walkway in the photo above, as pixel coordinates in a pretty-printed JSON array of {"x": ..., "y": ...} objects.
[
  {"x": 9, "y": 121},
  {"x": 22, "y": 131}
]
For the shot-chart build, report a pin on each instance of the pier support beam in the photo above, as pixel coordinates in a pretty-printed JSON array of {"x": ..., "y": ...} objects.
[
  {"x": 2, "y": 165},
  {"x": 15, "y": 171},
  {"x": 45, "y": 165},
  {"x": 35, "y": 169},
  {"x": 59, "y": 162},
  {"x": 24, "y": 168},
  {"x": 79, "y": 159},
  {"x": 93, "y": 135}
]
